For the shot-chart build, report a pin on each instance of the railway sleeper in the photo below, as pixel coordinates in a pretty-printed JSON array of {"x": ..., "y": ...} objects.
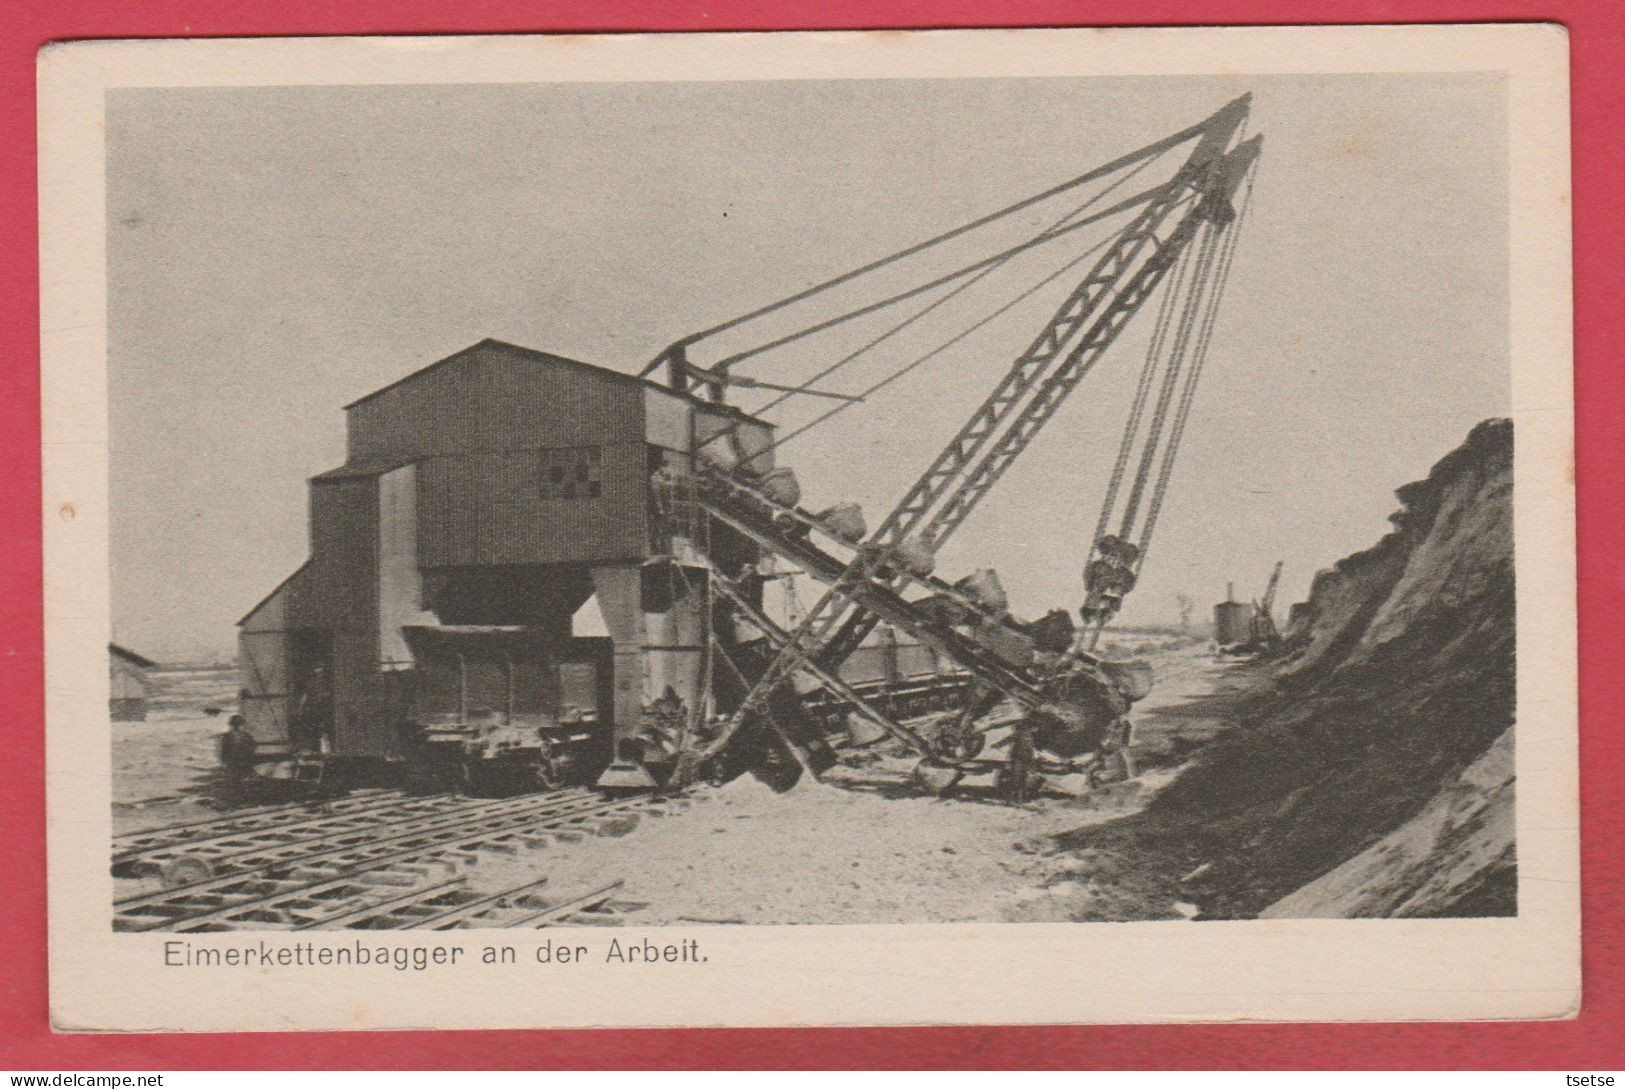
[
  {"x": 396, "y": 862},
  {"x": 322, "y": 828},
  {"x": 244, "y": 821}
]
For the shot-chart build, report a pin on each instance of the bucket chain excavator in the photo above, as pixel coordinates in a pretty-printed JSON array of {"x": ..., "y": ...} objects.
[{"x": 1040, "y": 701}]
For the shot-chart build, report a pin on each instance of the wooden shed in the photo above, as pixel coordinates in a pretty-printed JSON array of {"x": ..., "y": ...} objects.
[{"x": 129, "y": 682}]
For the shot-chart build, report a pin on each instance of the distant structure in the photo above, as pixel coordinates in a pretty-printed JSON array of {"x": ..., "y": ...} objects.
[
  {"x": 1186, "y": 605},
  {"x": 1232, "y": 619},
  {"x": 130, "y": 685},
  {"x": 1295, "y": 615}
]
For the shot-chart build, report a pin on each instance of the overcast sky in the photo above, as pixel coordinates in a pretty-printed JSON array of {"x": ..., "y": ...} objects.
[{"x": 275, "y": 253}]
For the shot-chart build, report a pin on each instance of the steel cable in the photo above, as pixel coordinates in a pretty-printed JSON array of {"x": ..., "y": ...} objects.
[
  {"x": 987, "y": 270},
  {"x": 945, "y": 345},
  {"x": 1142, "y": 394},
  {"x": 1121, "y": 206},
  {"x": 1176, "y": 357},
  {"x": 1199, "y": 359},
  {"x": 1150, "y": 150}
]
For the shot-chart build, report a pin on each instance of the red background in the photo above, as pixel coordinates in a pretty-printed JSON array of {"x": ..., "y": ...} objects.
[{"x": 1593, "y": 1041}]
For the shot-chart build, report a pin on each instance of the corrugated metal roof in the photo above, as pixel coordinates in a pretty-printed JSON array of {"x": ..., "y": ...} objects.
[
  {"x": 535, "y": 356},
  {"x": 360, "y": 469},
  {"x": 131, "y": 656},
  {"x": 258, "y": 605}
]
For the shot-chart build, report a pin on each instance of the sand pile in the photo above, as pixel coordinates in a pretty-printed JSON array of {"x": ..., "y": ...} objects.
[
  {"x": 1395, "y": 681},
  {"x": 859, "y": 849}
]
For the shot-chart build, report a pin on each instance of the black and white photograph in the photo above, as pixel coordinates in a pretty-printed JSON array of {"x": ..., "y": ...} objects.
[{"x": 636, "y": 511}]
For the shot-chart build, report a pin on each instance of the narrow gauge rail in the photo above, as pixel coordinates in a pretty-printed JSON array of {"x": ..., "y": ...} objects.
[
  {"x": 304, "y": 890},
  {"x": 219, "y": 854},
  {"x": 454, "y": 907},
  {"x": 306, "y": 850},
  {"x": 244, "y": 821}
]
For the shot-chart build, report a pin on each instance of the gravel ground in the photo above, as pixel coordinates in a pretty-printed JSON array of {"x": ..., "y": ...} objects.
[
  {"x": 839, "y": 852},
  {"x": 864, "y": 846}
]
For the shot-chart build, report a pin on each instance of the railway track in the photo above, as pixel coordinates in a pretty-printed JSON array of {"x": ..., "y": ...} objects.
[
  {"x": 292, "y": 886},
  {"x": 454, "y": 907},
  {"x": 214, "y": 853},
  {"x": 242, "y": 823},
  {"x": 435, "y": 827}
]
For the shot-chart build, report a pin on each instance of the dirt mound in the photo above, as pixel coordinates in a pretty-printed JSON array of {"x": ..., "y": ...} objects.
[
  {"x": 1456, "y": 857},
  {"x": 1395, "y": 679}
]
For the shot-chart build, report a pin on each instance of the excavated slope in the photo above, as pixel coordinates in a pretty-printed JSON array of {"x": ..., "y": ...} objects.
[
  {"x": 1370, "y": 773},
  {"x": 1456, "y": 857}
]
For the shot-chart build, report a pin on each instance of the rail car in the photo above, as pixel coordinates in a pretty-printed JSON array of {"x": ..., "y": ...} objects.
[
  {"x": 493, "y": 711},
  {"x": 903, "y": 678},
  {"x": 496, "y": 708}
]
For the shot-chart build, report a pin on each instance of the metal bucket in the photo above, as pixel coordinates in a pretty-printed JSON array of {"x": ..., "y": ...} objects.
[
  {"x": 861, "y": 732},
  {"x": 914, "y": 556},
  {"x": 718, "y": 453},
  {"x": 1011, "y": 646},
  {"x": 845, "y": 520},
  {"x": 1132, "y": 679},
  {"x": 984, "y": 588},
  {"x": 781, "y": 486},
  {"x": 752, "y": 445}
]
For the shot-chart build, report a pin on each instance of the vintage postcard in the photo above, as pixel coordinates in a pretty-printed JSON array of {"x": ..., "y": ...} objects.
[{"x": 809, "y": 529}]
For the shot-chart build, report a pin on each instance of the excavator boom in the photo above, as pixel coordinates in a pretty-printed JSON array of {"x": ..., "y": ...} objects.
[{"x": 1181, "y": 224}]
